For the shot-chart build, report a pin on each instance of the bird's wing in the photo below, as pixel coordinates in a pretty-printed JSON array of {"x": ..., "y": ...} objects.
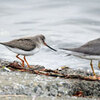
[
  {"x": 24, "y": 44},
  {"x": 90, "y": 48}
]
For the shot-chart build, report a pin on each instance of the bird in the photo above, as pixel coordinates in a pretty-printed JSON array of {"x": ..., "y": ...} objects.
[
  {"x": 26, "y": 46},
  {"x": 89, "y": 50}
]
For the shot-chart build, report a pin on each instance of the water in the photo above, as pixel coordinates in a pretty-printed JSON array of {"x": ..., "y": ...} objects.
[{"x": 65, "y": 23}]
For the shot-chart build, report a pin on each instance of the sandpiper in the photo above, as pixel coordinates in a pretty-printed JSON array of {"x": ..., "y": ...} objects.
[
  {"x": 90, "y": 51},
  {"x": 26, "y": 46}
]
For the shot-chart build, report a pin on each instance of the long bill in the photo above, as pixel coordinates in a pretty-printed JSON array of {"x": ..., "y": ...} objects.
[{"x": 49, "y": 47}]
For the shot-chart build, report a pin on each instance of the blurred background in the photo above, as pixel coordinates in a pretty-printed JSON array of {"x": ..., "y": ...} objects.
[{"x": 65, "y": 23}]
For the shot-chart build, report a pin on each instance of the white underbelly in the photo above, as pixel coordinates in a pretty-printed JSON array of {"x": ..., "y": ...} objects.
[
  {"x": 84, "y": 56},
  {"x": 22, "y": 52},
  {"x": 89, "y": 57}
]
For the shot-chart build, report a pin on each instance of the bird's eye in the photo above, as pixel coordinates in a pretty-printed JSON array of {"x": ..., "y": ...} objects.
[{"x": 43, "y": 38}]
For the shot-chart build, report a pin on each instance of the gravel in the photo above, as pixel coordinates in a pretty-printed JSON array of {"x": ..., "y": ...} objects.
[{"x": 22, "y": 85}]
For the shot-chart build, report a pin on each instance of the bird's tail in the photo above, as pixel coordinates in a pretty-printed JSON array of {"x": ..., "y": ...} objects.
[
  {"x": 67, "y": 51},
  {"x": 2, "y": 43}
]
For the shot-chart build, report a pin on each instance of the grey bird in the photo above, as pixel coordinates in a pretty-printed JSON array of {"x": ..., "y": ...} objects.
[
  {"x": 90, "y": 51},
  {"x": 26, "y": 46}
]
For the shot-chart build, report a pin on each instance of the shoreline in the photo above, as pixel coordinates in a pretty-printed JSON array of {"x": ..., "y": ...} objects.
[{"x": 40, "y": 86}]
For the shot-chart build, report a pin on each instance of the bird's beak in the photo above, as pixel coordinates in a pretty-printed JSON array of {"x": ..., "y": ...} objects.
[{"x": 49, "y": 46}]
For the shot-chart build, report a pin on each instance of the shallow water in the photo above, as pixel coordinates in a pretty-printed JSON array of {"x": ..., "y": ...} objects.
[{"x": 65, "y": 23}]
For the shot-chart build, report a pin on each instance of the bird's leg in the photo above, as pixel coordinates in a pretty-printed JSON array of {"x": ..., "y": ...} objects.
[
  {"x": 99, "y": 64},
  {"x": 27, "y": 62},
  {"x": 92, "y": 68},
  {"x": 20, "y": 59}
]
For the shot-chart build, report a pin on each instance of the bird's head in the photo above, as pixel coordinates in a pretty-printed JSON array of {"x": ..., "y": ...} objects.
[{"x": 42, "y": 41}]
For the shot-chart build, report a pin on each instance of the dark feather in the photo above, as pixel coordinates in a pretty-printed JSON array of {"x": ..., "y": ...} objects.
[
  {"x": 90, "y": 48},
  {"x": 24, "y": 44}
]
